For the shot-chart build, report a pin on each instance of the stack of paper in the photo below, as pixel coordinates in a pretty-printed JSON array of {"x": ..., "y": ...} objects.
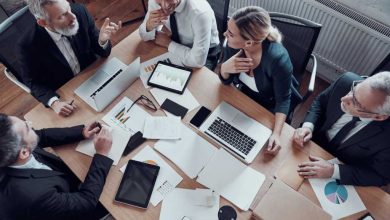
[
  {"x": 189, "y": 203},
  {"x": 162, "y": 127},
  {"x": 191, "y": 153},
  {"x": 232, "y": 179},
  {"x": 148, "y": 66},
  {"x": 119, "y": 142},
  {"x": 126, "y": 118},
  {"x": 167, "y": 178},
  {"x": 186, "y": 99}
]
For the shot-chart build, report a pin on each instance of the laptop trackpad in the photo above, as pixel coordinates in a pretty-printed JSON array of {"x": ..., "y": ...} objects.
[{"x": 243, "y": 122}]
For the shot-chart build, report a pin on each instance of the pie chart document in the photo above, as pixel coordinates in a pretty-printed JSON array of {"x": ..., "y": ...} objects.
[{"x": 336, "y": 199}]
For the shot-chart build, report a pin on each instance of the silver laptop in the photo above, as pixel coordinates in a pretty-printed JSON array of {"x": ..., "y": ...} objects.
[
  {"x": 240, "y": 134},
  {"x": 108, "y": 82}
]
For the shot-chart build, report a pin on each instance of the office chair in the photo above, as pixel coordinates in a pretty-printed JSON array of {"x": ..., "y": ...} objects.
[
  {"x": 11, "y": 31},
  {"x": 383, "y": 66},
  {"x": 299, "y": 38},
  {"x": 221, "y": 9}
]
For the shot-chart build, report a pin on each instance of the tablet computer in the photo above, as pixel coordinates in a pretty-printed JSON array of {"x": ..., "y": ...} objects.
[
  {"x": 170, "y": 77},
  {"x": 137, "y": 184}
]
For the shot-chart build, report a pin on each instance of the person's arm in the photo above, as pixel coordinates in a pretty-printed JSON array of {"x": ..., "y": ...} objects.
[
  {"x": 65, "y": 204},
  {"x": 102, "y": 49},
  {"x": 197, "y": 55},
  {"x": 375, "y": 174},
  {"x": 224, "y": 75},
  {"x": 143, "y": 32},
  {"x": 50, "y": 137},
  {"x": 29, "y": 72}
]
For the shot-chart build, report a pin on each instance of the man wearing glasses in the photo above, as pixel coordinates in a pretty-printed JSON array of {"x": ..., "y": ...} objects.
[{"x": 350, "y": 120}]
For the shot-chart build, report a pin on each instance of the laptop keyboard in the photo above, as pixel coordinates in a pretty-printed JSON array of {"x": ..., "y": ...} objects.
[{"x": 232, "y": 135}]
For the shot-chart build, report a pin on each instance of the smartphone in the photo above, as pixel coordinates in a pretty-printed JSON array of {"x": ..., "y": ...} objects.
[
  {"x": 200, "y": 116},
  {"x": 174, "y": 108}
]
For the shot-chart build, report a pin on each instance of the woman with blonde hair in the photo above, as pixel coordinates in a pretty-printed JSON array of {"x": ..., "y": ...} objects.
[{"x": 256, "y": 62}]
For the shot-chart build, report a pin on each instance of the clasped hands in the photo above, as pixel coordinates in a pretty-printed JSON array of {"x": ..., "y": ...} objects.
[{"x": 101, "y": 135}]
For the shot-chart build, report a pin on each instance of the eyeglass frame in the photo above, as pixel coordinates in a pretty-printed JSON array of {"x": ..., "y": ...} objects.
[
  {"x": 355, "y": 102},
  {"x": 150, "y": 104}
]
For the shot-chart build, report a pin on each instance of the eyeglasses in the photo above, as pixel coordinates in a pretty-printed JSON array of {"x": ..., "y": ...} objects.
[
  {"x": 355, "y": 102},
  {"x": 145, "y": 101}
]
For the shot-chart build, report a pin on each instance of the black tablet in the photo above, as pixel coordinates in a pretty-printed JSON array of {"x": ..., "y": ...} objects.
[
  {"x": 170, "y": 77},
  {"x": 137, "y": 184}
]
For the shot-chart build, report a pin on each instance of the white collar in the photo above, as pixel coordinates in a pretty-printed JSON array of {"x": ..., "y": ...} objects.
[
  {"x": 30, "y": 164},
  {"x": 181, "y": 6},
  {"x": 56, "y": 36}
]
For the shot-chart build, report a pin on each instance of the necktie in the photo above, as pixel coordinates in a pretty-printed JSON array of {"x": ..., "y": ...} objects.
[
  {"x": 175, "y": 33},
  {"x": 336, "y": 141}
]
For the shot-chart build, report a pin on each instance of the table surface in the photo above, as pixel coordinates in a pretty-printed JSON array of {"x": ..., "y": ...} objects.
[{"x": 207, "y": 89}]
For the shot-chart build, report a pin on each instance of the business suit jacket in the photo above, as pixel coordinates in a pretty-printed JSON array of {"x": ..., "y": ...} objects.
[
  {"x": 366, "y": 154},
  {"x": 52, "y": 194},
  {"x": 44, "y": 68},
  {"x": 273, "y": 77}
]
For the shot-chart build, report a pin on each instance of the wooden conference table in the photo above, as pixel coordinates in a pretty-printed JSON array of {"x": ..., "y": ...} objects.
[{"x": 209, "y": 92}]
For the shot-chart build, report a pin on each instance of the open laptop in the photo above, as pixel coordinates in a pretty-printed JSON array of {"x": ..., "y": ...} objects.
[
  {"x": 240, "y": 134},
  {"x": 108, "y": 82}
]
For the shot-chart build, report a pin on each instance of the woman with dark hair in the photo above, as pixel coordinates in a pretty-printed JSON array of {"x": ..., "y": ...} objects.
[{"x": 256, "y": 62}]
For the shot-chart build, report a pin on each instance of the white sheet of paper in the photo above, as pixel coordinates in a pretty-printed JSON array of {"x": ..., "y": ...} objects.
[
  {"x": 167, "y": 178},
  {"x": 338, "y": 200},
  {"x": 128, "y": 120},
  {"x": 232, "y": 179},
  {"x": 186, "y": 100},
  {"x": 119, "y": 142},
  {"x": 148, "y": 66},
  {"x": 191, "y": 153},
  {"x": 162, "y": 128},
  {"x": 185, "y": 202}
]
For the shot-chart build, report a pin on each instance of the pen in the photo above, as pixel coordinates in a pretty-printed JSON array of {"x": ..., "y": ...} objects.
[{"x": 71, "y": 102}]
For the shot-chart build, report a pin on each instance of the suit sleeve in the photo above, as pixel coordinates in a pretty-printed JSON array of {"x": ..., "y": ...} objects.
[
  {"x": 94, "y": 32},
  {"x": 282, "y": 76},
  {"x": 55, "y": 203},
  {"x": 376, "y": 174},
  {"x": 59, "y": 136},
  {"x": 28, "y": 67}
]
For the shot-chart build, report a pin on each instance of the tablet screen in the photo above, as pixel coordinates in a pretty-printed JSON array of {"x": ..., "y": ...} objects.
[
  {"x": 137, "y": 184},
  {"x": 170, "y": 77}
]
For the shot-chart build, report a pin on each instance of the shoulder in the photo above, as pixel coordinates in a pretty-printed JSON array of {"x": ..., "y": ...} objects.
[
  {"x": 346, "y": 79},
  {"x": 199, "y": 8},
  {"x": 276, "y": 50}
]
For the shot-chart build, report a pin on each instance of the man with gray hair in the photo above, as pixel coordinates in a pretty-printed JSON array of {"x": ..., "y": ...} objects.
[
  {"x": 350, "y": 120},
  {"x": 64, "y": 42},
  {"x": 35, "y": 184}
]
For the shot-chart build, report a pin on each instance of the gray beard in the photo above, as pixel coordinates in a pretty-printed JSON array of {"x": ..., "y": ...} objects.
[{"x": 71, "y": 31}]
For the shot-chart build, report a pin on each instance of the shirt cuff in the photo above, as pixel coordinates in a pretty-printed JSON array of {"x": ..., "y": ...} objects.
[
  {"x": 145, "y": 34},
  {"x": 336, "y": 171},
  {"x": 105, "y": 45},
  {"x": 52, "y": 100},
  {"x": 308, "y": 125}
]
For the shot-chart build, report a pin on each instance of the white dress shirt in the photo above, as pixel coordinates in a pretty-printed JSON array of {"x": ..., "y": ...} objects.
[
  {"x": 248, "y": 81},
  {"x": 331, "y": 133},
  {"x": 32, "y": 163},
  {"x": 197, "y": 30}
]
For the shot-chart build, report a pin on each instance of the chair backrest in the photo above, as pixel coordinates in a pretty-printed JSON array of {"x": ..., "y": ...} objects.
[
  {"x": 11, "y": 32},
  {"x": 299, "y": 38},
  {"x": 221, "y": 9},
  {"x": 383, "y": 66}
]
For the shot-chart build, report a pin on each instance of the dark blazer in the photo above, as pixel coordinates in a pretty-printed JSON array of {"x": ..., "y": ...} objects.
[
  {"x": 274, "y": 77},
  {"x": 366, "y": 154},
  {"x": 52, "y": 194},
  {"x": 44, "y": 68}
]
